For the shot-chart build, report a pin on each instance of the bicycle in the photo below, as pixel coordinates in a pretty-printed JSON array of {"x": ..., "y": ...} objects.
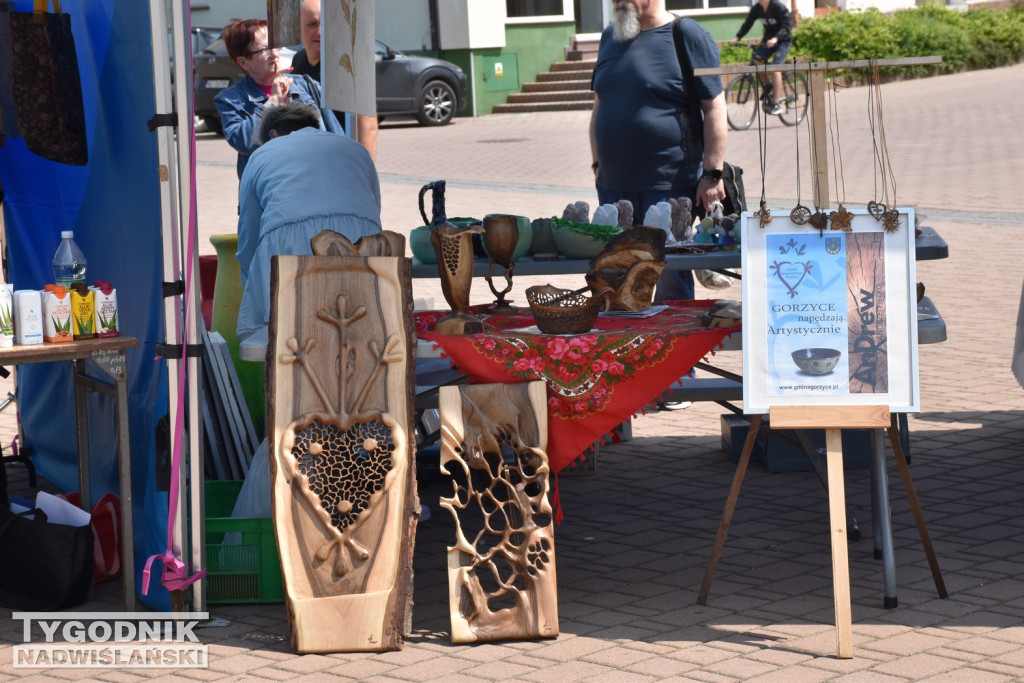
[{"x": 742, "y": 102}]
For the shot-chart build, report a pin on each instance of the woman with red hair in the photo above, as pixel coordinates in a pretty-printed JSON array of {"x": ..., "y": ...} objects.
[{"x": 265, "y": 85}]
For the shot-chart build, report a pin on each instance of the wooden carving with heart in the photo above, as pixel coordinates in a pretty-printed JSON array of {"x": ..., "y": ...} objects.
[
  {"x": 342, "y": 467},
  {"x": 501, "y": 570}
]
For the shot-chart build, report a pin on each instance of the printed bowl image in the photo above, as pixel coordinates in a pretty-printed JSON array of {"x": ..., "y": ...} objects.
[{"x": 816, "y": 361}]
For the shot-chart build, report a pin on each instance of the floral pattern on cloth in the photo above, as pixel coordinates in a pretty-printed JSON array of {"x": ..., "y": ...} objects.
[{"x": 595, "y": 380}]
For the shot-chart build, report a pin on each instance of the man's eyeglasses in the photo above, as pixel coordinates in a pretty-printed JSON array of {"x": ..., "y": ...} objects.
[{"x": 262, "y": 51}]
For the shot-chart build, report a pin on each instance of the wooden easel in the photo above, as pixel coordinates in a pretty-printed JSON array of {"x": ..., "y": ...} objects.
[
  {"x": 827, "y": 417},
  {"x": 833, "y": 419}
]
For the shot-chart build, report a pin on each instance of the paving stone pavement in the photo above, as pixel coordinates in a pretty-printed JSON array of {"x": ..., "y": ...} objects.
[{"x": 632, "y": 549}]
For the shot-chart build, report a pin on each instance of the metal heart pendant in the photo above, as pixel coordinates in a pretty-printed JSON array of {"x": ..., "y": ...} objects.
[{"x": 876, "y": 210}]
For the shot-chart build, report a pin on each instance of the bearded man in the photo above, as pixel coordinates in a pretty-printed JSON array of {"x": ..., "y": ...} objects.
[{"x": 647, "y": 139}]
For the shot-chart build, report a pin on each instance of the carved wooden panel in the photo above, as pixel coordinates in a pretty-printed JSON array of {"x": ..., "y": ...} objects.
[
  {"x": 501, "y": 570},
  {"x": 629, "y": 265},
  {"x": 384, "y": 243},
  {"x": 342, "y": 383}
]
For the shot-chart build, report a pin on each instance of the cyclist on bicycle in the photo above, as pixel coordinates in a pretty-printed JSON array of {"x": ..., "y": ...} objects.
[{"x": 775, "y": 43}]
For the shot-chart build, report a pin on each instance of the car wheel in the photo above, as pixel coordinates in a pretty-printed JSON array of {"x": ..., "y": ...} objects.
[
  {"x": 437, "y": 104},
  {"x": 211, "y": 124}
]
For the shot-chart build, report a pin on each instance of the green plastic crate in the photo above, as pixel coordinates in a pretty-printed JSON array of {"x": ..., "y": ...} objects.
[{"x": 249, "y": 571}]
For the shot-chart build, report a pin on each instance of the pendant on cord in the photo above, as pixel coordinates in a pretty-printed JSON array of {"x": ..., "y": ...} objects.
[
  {"x": 841, "y": 219},
  {"x": 764, "y": 214},
  {"x": 876, "y": 209},
  {"x": 819, "y": 221},
  {"x": 891, "y": 222}
]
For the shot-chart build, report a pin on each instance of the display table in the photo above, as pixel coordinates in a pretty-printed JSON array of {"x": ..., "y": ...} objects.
[
  {"x": 928, "y": 246},
  {"x": 595, "y": 380},
  {"x": 109, "y": 355}
]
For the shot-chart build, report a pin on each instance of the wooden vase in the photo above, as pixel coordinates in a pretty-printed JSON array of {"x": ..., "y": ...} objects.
[{"x": 454, "y": 249}]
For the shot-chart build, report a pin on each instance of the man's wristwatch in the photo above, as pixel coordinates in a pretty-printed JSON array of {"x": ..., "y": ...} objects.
[{"x": 712, "y": 174}]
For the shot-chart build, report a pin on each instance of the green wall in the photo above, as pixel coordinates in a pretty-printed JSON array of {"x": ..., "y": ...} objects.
[
  {"x": 724, "y": 27},
  {"x": 532, "y": 48}
]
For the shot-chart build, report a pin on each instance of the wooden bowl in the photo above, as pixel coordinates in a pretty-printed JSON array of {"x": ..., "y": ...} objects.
[{"x": 563, "y": 311}]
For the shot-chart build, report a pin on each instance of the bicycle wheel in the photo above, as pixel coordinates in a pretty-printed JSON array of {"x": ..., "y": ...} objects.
[
  {"x": 794, "y": 105},
  {"x": 741, "y": 102}
]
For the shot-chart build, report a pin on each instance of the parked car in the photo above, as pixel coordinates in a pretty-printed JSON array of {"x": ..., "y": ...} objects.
[{"x": 430, "y": 89}]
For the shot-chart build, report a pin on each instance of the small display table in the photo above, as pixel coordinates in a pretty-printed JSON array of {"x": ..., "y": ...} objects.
[{"x": 108, "y": 354}]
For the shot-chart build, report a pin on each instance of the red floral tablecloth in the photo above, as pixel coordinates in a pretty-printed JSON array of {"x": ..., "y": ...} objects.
[{"x": 595, "y": 380}]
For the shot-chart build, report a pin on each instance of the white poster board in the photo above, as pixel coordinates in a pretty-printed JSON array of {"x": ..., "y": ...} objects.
[
  {"x": 349, "y": 67},
  {"x": 829, "y": 319}
]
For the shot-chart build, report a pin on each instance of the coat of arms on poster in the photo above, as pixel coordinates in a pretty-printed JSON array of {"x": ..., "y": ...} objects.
[
  {"x": 349, "y": 65},
  {"x": 829, "y": 318}
]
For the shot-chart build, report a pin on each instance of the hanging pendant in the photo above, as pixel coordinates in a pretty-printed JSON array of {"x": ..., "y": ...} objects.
[
  {"x": 800, "y": 215},
  {"x": 819, "y": 221},
  {"x": 891, "y": 222},
  {"x": 764, "y": 214},
  {"x": 876, "y": 210},
  {"x": 841, "y": 219}
]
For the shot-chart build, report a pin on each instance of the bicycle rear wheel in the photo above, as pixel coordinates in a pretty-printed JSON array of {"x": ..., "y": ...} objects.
[
  {"x": 794, "y": 105},
  {"x": 741, "y": 102}
]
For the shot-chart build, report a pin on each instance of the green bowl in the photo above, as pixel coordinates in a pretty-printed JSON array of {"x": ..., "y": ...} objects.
[
  {"x": 581, "y": 240},
  {"x": 419, "y": 244},
  {"x": 543, "y": 242}
]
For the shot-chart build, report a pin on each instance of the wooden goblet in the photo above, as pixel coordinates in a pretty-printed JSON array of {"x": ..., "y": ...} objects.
[{"x": 501, "y": 236}]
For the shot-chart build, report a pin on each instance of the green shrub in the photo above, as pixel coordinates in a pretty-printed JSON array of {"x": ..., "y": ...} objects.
[
  {"x": 929, "y": 31},
  {"x": 977, "y": 39},
  {"x": 997, "y": 37}
]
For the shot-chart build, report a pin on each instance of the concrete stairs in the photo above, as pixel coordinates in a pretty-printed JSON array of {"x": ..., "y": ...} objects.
[{"x": 565, "y": 87}]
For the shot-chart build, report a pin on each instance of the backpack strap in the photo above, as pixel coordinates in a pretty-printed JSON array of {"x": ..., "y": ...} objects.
[{"x": 697, "y": 113}]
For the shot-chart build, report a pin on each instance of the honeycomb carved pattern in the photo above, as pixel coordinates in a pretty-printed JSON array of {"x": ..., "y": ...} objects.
[
  {"x": 344, "y": 468},
  {"x": 338, "y": 459}
]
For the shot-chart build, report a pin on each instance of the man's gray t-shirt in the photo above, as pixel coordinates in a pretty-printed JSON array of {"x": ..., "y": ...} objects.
[{"x": 642, "y": 128}]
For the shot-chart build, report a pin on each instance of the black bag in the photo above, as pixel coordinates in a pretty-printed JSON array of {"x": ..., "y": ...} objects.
[
  {"x": 46, "y": 84},
  {"x": 44, "y": 567},
  {"x": 7, "y": 116},
  {"x": 735, "y": 196}
]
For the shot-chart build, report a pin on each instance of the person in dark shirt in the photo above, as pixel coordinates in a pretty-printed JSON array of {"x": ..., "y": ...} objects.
[
  {"x": 307, "y": 62},
  {"x": 648, "y": 140},
  {"x": 775, "y": 43}
]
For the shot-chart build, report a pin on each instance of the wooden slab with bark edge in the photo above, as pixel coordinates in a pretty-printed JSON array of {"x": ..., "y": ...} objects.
[
  {"x": 342, "y": 454},
  {"x": 501, "y": 571}
]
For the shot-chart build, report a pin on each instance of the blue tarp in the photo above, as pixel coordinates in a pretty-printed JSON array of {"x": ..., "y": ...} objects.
[{"x": 113, "y": 206}]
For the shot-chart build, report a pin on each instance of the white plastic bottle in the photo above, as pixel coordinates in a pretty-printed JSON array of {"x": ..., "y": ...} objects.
[{"x": 69, "y": 261}]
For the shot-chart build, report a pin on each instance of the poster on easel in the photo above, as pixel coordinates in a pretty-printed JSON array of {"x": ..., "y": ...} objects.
[{"x": 829, "y": 317}]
